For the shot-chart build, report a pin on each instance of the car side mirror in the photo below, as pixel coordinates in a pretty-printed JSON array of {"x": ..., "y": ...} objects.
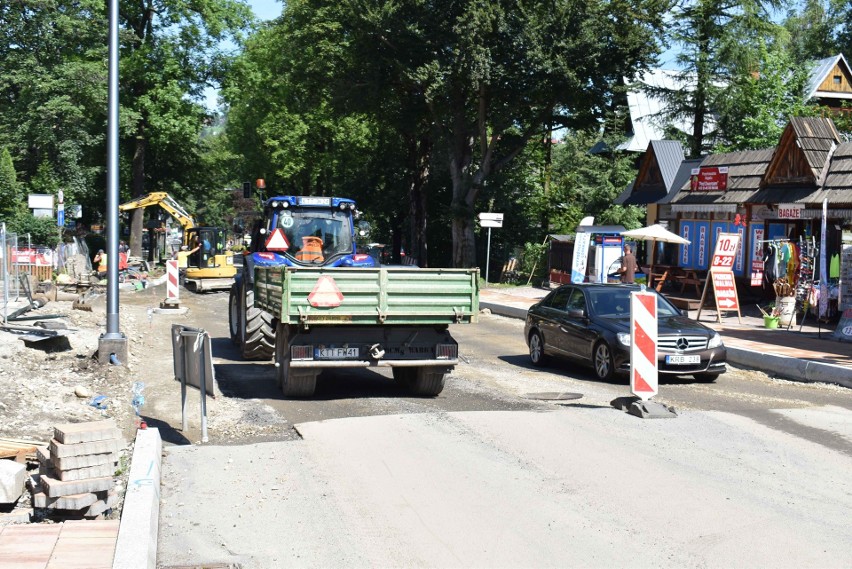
[{"x": 576, "y": 313}]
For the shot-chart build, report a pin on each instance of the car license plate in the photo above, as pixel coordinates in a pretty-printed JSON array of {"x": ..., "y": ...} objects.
[
  {"x": 336, "y": 353},
  {"x": 683, "y": 360}
]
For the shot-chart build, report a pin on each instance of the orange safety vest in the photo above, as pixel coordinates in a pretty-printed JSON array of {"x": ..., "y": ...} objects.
[
  {"x": 102, "y": 263},
  {"x": 311, "y": 250}
]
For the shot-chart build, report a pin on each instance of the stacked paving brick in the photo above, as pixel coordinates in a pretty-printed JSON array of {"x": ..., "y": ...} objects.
[{"x": 77, "y": 469}]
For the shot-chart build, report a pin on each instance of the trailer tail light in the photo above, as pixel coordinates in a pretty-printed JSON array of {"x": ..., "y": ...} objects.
[
  {"x": 447, "y": 351},
  {"x": 301, "y": 352}
]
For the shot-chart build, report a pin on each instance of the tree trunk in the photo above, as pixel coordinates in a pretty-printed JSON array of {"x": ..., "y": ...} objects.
[
  {"x": 420, "y": 154},
  {"x": 138, "y": 190},
  {"x": 464, "y": 236}
]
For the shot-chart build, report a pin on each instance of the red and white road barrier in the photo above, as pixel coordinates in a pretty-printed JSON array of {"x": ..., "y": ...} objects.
[
  {"x": 643, "y": 344},
  {"x": 172, "y": 281}
]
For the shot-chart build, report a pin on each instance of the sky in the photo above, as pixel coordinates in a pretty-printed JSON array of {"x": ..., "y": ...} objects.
[{"x": 264, "y": 10}]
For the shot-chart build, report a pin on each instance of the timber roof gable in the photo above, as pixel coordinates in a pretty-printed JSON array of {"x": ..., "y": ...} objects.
[
  {"x": 802, "y": 153},
  {"x": 830, "y": 81}
]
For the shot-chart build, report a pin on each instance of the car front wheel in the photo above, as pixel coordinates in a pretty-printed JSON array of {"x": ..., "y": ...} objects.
[
  {"x": 537, "y": 356},
  {"x": 604, "y": 368}
]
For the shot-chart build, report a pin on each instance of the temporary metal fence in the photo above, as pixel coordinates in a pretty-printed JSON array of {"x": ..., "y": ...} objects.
[{"x": 9, "y": 271}]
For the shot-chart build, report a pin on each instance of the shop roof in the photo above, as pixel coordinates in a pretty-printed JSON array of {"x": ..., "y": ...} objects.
[
  {"x": 837, "y": 186},
  {"x": 655, "y": 181},
  {"x": 745, "y": 171}
]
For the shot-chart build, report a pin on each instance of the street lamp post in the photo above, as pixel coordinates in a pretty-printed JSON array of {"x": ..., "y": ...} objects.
[{"x": 112, "y": 346}]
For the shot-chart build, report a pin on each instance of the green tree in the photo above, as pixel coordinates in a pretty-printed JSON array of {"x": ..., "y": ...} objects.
[
  {"x": 717, "y": 40},
  {"x": 758, "y": 105},
  {"x": 474, "y": 82},
  {"x": 587, "y": 184},
  {"x": 41, "y": 230},
  {"x": 53, "y": 92},
  {"x": 171, "y": 50},
  {"x": 813, "y": 30},
  {"x": 10, "y": 192}
]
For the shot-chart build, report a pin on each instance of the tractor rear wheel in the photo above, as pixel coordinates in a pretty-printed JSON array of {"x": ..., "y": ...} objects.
[{"x": 258, "y": 334}]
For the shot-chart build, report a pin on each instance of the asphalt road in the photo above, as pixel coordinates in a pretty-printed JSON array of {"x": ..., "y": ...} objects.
[{"x": 752, "y": 472}]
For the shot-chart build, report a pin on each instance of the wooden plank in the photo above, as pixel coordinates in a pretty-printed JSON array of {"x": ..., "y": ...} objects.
[{"x": 17, "y": 448}]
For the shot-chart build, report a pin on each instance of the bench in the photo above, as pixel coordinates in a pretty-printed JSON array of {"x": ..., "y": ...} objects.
[{"x": 690, "y": 280}]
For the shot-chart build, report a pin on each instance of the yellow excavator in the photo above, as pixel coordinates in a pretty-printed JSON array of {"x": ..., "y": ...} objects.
[{"x": 206, "y": 263}]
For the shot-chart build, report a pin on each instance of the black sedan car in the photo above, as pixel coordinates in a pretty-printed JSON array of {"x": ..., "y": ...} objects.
[{"x": 590, "y": 323}]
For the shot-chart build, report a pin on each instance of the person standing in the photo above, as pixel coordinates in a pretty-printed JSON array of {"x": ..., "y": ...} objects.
[
  {"x": 628, "y": 265},
  {"x": 101, "y": 260}
]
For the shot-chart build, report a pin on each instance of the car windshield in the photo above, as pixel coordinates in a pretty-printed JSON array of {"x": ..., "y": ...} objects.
[
  {"x": 615, "y": 302},
  {"x": 316, "y": 234}
]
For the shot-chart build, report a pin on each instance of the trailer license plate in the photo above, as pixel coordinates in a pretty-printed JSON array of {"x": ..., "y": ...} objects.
[
  {"x": 336, "y": 353},
  {"x": 683, "y": 359}
]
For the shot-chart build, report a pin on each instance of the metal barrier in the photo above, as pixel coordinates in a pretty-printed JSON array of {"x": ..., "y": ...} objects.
[
  {"x": 193, "y": 363},
  {"x": 9, "y": 272}
]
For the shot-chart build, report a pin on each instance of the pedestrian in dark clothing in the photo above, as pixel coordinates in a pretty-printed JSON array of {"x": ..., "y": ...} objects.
[{"x": 628, "y": 265}]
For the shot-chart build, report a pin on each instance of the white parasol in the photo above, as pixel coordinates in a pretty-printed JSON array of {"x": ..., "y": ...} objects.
[{"x": 655, "y": 233}]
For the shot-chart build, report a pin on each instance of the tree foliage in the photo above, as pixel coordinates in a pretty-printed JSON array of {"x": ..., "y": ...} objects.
[
  {"x": 53, "y": 93},
  {"x": 758, "y": 104},
  {"x": 717, "y": 41},
  {"x": 10, "y": 193},
  {"x": 473, "y": 82},
  {"x": 170, "y": 52}
]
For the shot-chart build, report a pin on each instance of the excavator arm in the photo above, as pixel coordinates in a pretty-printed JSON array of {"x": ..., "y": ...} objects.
[{"x": 166, "y": 202}]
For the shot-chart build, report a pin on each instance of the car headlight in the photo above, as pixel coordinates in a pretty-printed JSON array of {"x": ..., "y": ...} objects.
[
  {"x": 715, "y": 341},
  {"x": 624, "y": 339}
]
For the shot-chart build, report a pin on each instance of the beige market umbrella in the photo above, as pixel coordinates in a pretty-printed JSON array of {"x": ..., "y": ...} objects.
[{"x": 655, "y": 233}]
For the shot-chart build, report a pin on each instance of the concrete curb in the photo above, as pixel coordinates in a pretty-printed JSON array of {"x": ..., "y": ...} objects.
[
  {"x": 136, "y": 546},
  {"x": 783, "y": 366},
  {"x": 791, "y": 368},
  {"x": 503, "y": 310}
]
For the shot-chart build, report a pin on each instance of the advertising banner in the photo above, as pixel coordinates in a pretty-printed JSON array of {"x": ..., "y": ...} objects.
[
  {"x": 581, "y": 256},
  {"x": 709, "y": 179}
]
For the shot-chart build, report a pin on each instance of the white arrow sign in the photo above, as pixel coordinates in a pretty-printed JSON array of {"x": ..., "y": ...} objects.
[
  {"x": 489, "y": 219},
  {"x": 727, "y": 303}
]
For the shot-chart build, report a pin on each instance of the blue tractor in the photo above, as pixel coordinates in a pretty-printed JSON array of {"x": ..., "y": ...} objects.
[{"x": 295, "y": 231}]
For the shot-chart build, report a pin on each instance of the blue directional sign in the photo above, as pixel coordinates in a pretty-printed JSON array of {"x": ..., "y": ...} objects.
[{"x": 60, "y": 218}]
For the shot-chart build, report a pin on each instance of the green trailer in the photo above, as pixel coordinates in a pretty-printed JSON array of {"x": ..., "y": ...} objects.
[{"x": 396, "y": 317}]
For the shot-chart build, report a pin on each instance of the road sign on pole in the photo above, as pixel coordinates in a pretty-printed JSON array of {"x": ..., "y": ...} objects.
[
  {"x": 643, "y": 344},
  {"x": 489, "y": 220}
]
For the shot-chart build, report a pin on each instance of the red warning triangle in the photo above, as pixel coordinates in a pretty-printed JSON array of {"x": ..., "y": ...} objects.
[
  {"x": 277, "y": 241},
  {"x": 325, "y": 293},
  {"x": 640, "y": 384}
]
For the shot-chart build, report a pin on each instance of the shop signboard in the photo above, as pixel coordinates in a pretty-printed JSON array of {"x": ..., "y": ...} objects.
[
  {"x": 702, "y": 230},
  {"x": 685, "y": 256},
  {"x": 790, "y": 210},
  {"x": 725, "y": 290},
  {"x": 709, "y": 179},
  {"x": 727, "y": 245}
]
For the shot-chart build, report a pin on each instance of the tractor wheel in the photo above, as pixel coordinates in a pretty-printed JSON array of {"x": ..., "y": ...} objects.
[{"x": 258, "y": 334}]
